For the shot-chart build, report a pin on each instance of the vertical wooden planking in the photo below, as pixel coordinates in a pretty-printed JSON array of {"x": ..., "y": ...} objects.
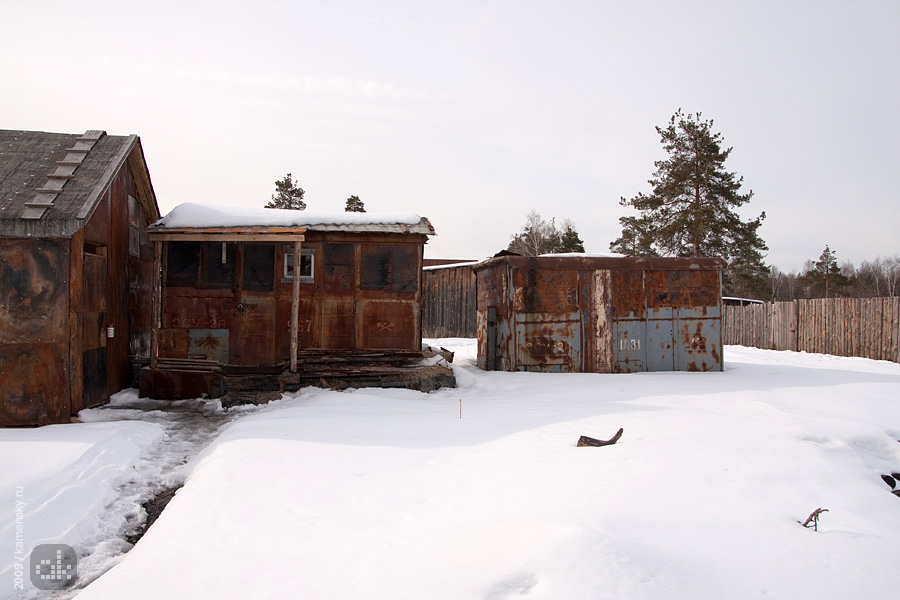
[
  {"x": 450, "y": 302},
  {"x": 864, "y": 327},
  {"x": 895, "y": 329}
]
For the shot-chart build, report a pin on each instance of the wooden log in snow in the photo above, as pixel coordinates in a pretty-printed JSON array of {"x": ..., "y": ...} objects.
[{"x": 589, "y": 441}]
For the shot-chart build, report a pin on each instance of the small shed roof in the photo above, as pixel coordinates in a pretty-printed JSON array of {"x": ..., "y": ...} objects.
[
  {"x": 191, "y": 216},
  {"x": 50, "y": 183}
]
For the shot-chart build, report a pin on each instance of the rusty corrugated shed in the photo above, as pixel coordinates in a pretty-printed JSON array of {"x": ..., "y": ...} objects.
[{"x": 599, "y": 314}]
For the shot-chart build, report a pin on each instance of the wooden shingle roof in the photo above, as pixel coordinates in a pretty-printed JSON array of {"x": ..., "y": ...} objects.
[{"x": 50, "y": 183}]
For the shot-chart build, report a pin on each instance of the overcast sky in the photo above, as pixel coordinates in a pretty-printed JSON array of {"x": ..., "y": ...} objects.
[{"x": 475, "y": 113}]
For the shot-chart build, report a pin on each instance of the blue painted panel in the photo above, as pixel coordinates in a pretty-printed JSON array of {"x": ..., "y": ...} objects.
[
  {"x": 698, "y": 344},
  {"x": 630, "y": 346},
  {"x": 660, "y": 345}
]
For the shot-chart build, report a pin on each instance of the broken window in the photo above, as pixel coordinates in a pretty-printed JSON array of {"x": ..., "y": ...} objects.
[
  {"x": 208, "y": 265},
  {"x": 338, "y": 266},
  {"x": 392, "y": 267},
  {"x": 259, "y": 267},
  {"x": 307, "y": 263}
]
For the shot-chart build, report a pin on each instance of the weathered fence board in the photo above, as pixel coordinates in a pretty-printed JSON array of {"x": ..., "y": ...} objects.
[
  {"x": 449, "y": 302},
  {"x": 865, "y": 327}
]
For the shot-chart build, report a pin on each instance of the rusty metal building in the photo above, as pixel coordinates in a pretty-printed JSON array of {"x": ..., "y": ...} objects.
[
  {"x": 75, "y": 271},
  {"x": 274, "y": 292},
  {"x": 575, "y": 314}
]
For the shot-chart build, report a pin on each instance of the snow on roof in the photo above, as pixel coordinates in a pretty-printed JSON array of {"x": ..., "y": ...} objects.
[
  {"x": 191, "y": 214},
  {"x": 588, "y": 254},
  {"x": 466, "y": 263}
]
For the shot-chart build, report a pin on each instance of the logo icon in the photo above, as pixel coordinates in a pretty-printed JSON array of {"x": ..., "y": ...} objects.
[{"x": 53, "y": 566}]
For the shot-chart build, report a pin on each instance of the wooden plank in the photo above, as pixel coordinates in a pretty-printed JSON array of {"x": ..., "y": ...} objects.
[
  {"x": 895, "y": 329},
  {"x": 295, "y": 307}
]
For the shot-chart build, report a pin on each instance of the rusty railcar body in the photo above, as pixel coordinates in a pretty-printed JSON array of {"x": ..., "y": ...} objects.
[
  {"x": 254, "y": 297},
  {"x": 575, "y": 314},
  {"x": 75, "y": 271}
]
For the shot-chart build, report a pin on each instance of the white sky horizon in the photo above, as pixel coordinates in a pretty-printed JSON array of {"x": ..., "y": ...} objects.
[{"x": 474, "y": 113}]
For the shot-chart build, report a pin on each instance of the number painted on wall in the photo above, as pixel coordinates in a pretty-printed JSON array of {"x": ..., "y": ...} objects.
[{"x": 629, "y": 344}]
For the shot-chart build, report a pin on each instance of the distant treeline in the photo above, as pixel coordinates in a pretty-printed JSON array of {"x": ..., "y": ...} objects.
[{"x": 878, "y": 278}]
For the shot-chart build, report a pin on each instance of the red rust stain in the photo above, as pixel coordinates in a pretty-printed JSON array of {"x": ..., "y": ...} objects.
[
  {"x": 694, "y": 342},
  {"x": 34, "y": 385}
]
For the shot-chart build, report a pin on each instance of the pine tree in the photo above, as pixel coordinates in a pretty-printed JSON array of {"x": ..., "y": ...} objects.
[
  {"x": 747, "y": 276},
  {"x": 636, "y": 238},
  {"x": 569, "y": 240},
  {"x": 287, "y": 195},
  {"x": 824, "y": 277},
  {"x": 354, "y": 204},
  {"x": 690, "y": 211}
]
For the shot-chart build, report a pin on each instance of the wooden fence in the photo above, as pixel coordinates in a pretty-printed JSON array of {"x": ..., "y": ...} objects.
[
  {"x": 449, "y": 302},
  {"x": 866, "y": 327}
]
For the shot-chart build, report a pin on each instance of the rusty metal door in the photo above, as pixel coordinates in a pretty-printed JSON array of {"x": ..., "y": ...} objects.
[
  {"x": 492, "y": 348},
  {"x": 253, "y": 342},
  {"x": 660, "y": 339},
  {"x": 548, "y": 342},
  {"x": 630, "y": 346},
  {"x": 699, "y": 339}
]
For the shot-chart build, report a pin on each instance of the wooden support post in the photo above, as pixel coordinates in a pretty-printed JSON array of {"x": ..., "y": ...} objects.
[
  {"x": 156, "y": 305},
  {"x": 295, "y": 308}
]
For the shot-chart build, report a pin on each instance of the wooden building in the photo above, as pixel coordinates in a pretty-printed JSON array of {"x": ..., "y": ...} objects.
[
  {"x": 599, "y": 314},
  {"x": 449, "y": 303},
  {"x": 266, "y": 292},
  {"x": 75, "y": 271}
]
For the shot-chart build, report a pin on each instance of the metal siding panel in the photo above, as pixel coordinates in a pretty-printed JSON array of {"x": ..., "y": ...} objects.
[
  {"x": 33, "y": 291},
  {"x": 549, "y": 340},
  {"x": 630, "y": 348},
  {"x": 660, "y": 345},
  {"x": 33, "y": 380},
  {"x": 545, "y": 291},
  {"x": 698, "y": 340},
  {"x": 388, "y": 324},
  {"x": 338, "y": 323}
]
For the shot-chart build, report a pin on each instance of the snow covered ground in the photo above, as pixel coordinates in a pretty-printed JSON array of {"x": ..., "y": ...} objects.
[
  {"x": 480, "y": 492},
  {"x": 83, "y": 484}
]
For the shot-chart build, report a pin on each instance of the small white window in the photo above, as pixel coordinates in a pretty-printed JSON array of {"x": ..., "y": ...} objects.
[{"x": 307, "y": 261}]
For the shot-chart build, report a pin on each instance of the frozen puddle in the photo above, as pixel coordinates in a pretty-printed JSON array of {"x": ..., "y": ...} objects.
[{"x": 190, "y": 426}]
